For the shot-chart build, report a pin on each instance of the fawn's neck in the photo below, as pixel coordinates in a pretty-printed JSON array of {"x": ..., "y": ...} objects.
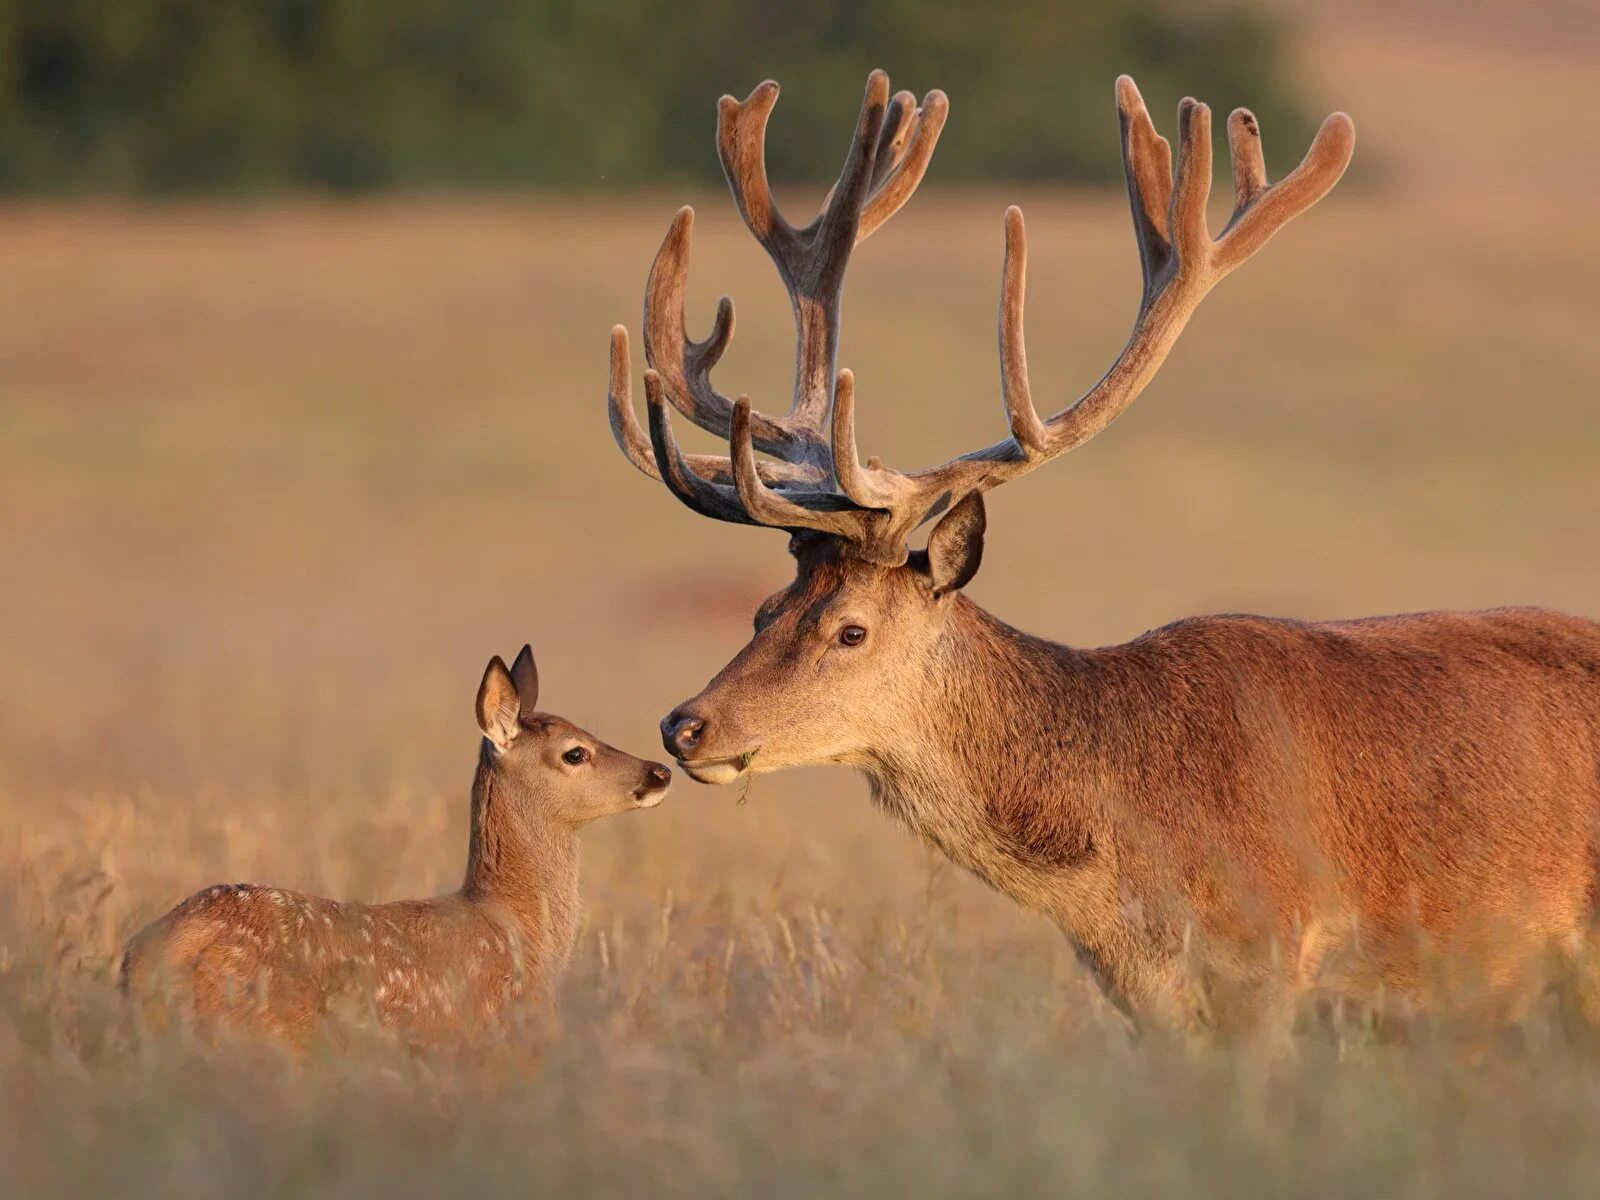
[{"x": 522, "y": 860}]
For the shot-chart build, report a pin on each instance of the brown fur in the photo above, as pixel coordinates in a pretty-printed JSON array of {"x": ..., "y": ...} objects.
[
  {"x": 1225, "y": 813},
  {"x": 1222, "y": 815},
  {"x": 277, "y": 962}
]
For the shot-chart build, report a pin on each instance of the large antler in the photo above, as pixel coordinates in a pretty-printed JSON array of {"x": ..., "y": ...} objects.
[
  {"x": 893, "y": 144},
  {"x": 824, "y": 487}
]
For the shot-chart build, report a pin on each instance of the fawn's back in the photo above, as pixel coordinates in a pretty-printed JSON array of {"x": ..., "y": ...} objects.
[{"x": 281, "y": 960}]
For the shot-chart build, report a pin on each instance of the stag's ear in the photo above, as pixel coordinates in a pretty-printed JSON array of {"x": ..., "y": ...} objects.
[
  {"x": 497, "y": 704},
  {"x": 526, "y": 676},
  {"x": 956, "y": 547}
]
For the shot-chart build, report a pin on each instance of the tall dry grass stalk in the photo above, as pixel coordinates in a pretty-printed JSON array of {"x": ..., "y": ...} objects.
[{"x": 724, "y": 1043}]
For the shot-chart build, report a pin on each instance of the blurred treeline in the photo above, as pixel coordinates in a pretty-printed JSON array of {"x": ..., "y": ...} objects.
[{"x": 179, "y": 96}]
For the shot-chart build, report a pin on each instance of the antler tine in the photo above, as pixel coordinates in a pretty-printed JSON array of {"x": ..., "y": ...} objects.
[
  {"x": 869, "y": 487},
  {"x": 842, "y": 215},
  {"x": 1147, "y": 165},
  {"x": 704, "y": 497},
  {"x": 905, "y": 148},
  {"x": 853, "y": 481},
  {"x": 1023, "y": 418},
  {"x": 685, "y": 365},
  {"x": 896, "y": 188},
  {"x": 625, "y": 428},
  {"x": 637, "y": 445},
  {"x": 742, "y": 147},
  {"x": 891, "y": 145},
  {"x": 892, "y": 138},
  {"x": 1188, "y": 221},
  {"x": 1244, "y": 151},
  {"x": 1267, "y": 208}
]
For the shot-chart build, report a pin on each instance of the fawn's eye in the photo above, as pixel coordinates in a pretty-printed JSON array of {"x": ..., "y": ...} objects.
[
  {"x": 576, "y": 756},
  {"x": 852, "y": 635}
]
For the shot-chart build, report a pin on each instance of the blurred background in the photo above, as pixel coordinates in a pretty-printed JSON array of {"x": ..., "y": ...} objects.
[
  {"x": 303, "y": 322},
  {"x": 181, "y": 96}
]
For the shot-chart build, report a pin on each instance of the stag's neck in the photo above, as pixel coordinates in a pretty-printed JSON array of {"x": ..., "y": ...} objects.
[
  {"x": 523, "y": 864},
  {"x": 996, "y": 765}
]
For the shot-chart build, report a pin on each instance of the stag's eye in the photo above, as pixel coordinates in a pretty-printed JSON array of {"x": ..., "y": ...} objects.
[
  {"x": 852, "y": 635},
  {"x": 577, "y": 756}
]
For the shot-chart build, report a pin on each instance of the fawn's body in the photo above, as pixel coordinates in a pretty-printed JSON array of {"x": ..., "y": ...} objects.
[{"x": 275, "y": 960}]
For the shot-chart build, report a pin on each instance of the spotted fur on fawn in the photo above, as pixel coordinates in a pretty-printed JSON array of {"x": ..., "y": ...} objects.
[{"x": 274, "y": 961}]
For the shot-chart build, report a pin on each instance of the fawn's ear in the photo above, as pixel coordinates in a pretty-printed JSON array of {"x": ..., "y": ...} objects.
[
  {"x": 497, "y": 704},
  {"x": 526, "y": 678},
  {"x": 955, "y": 548}
]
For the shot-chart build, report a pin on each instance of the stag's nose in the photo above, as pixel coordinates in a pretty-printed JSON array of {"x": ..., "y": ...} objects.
[{"x": 680, "y": 732}]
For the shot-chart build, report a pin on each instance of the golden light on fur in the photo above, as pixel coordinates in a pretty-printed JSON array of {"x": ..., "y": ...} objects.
[{"x": 1222, "y": 815}]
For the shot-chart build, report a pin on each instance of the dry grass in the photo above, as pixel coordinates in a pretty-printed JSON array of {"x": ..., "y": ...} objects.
[{"x": 274, "y": 483}]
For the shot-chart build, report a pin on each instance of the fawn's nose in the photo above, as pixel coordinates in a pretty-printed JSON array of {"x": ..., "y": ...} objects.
[
  {"x": 681, "y": 732},
  {"x": 657, "y": 775}
]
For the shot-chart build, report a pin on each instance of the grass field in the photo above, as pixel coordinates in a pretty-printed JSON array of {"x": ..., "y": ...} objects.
[{"x": 275, "y": 481}]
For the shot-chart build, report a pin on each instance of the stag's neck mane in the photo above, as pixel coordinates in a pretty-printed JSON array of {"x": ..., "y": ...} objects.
[
  {"x": 521, "y": 862},
  {"x": 967, "y": 775}
]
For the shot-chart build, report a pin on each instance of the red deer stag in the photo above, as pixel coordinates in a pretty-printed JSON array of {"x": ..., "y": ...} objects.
[
  {"x": 1223, "y": 815},
  {"x": 270, "y": 960}
]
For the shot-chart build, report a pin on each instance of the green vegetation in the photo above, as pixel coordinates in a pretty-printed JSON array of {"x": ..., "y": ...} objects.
[{"x": 177, "y": 96}]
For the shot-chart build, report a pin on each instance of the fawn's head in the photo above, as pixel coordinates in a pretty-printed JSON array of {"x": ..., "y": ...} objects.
[
  {"x": 834, "y": 653},
  {"x": 563, "y": 772}
]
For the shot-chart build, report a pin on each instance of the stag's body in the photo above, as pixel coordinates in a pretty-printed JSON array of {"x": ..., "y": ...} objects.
[
  {"x": 275, "y": 961},
  {"x": 1229, "y": 812},
  {"x": 1223, "y": 814}
]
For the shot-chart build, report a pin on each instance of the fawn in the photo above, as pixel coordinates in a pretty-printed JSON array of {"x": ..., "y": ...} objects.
[{"x": 272, "y": 961}]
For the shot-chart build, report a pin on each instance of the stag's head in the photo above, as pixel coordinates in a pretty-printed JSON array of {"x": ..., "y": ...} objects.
[{"x": 843, "y": 656}]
